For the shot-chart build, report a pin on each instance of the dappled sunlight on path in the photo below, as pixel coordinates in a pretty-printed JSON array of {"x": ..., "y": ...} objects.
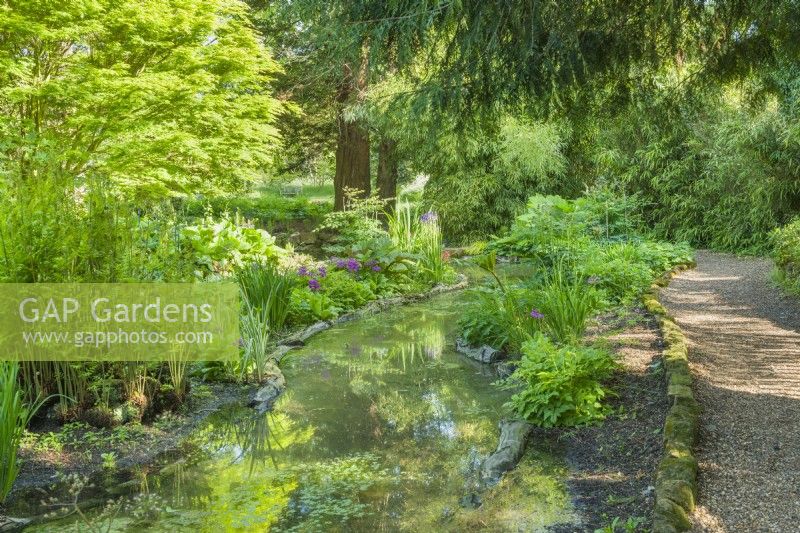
[{"x": 745, "y": 354}]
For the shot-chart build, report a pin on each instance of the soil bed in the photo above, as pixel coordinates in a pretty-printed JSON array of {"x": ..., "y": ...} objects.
[{"x": 612, "y": 466}]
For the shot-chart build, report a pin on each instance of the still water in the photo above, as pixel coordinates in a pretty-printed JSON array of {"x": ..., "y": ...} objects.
[{"x": 382, "y": 428}]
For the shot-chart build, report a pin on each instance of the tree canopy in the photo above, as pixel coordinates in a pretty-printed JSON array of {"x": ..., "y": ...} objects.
[{"x": 157, "y": 97}]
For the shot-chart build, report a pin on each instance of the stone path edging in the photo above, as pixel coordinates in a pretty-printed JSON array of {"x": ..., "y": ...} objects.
[{"x": 676, "y": 476}]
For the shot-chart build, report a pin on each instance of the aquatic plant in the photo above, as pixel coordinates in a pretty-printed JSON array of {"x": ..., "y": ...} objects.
[
  {"x": 566, "y": 302},
  {"x": 267, "y": 289},
  {"x": 431, "y": 248},
  {"x": 15, "y": 414},
  {"x": 403, "y": 227},
  {"x": 255, "y": 332}
]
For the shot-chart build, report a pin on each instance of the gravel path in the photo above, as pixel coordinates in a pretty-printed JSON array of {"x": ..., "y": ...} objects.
[{"x": 745, "y": 356}]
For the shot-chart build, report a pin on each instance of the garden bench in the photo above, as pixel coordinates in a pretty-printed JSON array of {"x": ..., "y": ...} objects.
[{"x": 291, "y": 190}]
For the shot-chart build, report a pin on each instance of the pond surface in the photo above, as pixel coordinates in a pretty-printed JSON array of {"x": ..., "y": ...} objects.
[{"x": 382, "y": 428}]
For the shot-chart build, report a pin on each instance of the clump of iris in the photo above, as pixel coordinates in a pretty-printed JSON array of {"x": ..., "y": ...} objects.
[
  {"x": 428, "y": 217},
  {"x": 314, "y": 285}
]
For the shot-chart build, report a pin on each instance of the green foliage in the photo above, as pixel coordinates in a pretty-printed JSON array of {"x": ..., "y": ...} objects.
[
  {"x": 786, "y": 253},
  {"x": 490, "y": 171},
  {"x": 359, "y": 222},
  {"x": 265, "y": 209},
  {"x": 306, "y": 306},
  {"x": 157, "y": 100},
  {"x": 403, "y": 226},
  {"x": 421, "y": 234},
  {"x": 15, "y": 414},
  {"x": 500, "y": 319},
  {"x": 109, "y": 460},
  {"x": 220, "y": 246},
  {"x": 431, "y": 248},
  {"x": 567, "y": 302},
  {"x": 255, "y": 329},
  {"x": 553, "y": 228},
  {"x": 596, "y": 236},
  {"x": 624, "y": 270},
  {"x": 348, "y": 292},
  {"x": 266, "y": 289},
  {"x": 720, "y": 170},
  {"x": 563, "y": 384}
]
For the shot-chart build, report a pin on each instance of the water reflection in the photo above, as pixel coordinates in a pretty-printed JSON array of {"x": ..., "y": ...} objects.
[{"x": 383, "y": 428}]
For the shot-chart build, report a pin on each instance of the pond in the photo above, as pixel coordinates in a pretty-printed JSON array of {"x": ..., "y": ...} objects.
[{"x": 382, "y": 428}]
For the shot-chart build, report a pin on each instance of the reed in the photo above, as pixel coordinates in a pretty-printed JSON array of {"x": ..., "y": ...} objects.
[{"x": 15, "y": 414}]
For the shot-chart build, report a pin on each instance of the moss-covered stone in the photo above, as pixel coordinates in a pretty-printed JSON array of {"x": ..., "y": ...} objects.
[
  {"x": 677, "y": 473},
  {"x": 678, "y": 491},
  {"x": 669, "y": 517},
  {"x": 680, "y": 379},
  {"x": 676, "y": 477}
]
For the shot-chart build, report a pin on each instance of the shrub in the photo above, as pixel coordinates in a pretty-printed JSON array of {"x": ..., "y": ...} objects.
[
  {"x": 786, "y": 252},
  {"x": 562, "y": 384},
  {"x": 616, "y": 270},
  {"x": 360, "y": 222},
  {"x": 623, "y": 270},
  {"x": 306, "y": 306},
  {"x": 550, "y": 229}
]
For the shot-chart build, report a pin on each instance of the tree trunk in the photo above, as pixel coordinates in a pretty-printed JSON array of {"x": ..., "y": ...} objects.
[
  {"x": 352, "y": 162},
  {"x": 352, "y": 148},
  {"x": 387, "y": 173}
]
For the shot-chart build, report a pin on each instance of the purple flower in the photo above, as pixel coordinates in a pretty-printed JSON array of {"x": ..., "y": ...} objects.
[
  {"x": 302, "y": 271},
  {"x": 536, "y": 314},
  {"x": 313, "y": 284},
  {"x": 322, "y": 271},
  {"x": 353, "y": 265},
  {"x": 340, "y": 263},
  {"x": 376, "y": 268},
  {"x": 430, "y": 216}
]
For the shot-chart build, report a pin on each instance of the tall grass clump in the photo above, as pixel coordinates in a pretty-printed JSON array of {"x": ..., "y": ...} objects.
[
  {"x": 403, "y": 227},
  {"x": 566, "y": 301},
  {"x": 431, "y": 247},
  {"x": 421, "y": 235},
  {"x": 15, "y": 414},
  {"x": 255, "y": 342},
  {"x": 267, "y": 291}
]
